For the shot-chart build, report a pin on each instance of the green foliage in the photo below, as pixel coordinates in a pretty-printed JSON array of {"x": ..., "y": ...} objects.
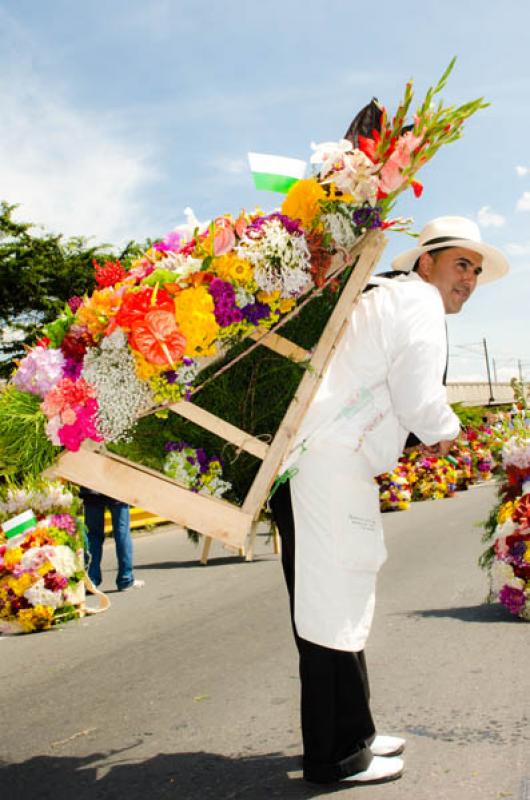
[
  {"x": 253, "y": 395},
  {"x": 39, "y": 272},
  {"x": 25, "y": 450},
  {"x": 470, "y": 416}
]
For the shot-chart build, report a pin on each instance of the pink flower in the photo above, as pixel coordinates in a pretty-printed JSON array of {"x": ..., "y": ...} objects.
[
  {"x": 68, "y": 416},
  {"x": 224, "y": 237}
]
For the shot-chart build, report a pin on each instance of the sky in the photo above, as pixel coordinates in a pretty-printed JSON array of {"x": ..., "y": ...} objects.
[{"x": 117, "y": 115}]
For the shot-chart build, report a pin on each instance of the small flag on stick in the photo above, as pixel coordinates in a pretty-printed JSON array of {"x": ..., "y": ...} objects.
[{"x": 275, "y": 173}]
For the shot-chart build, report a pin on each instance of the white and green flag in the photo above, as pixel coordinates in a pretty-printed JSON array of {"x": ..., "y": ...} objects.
[{"x": 275, "y": 173}]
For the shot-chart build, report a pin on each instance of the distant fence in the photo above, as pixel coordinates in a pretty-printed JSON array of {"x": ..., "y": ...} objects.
[{"x": 478, "y": 394}]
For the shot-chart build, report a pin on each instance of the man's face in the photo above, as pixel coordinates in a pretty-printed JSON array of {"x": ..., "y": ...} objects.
[{"x": 454, "y": 272}]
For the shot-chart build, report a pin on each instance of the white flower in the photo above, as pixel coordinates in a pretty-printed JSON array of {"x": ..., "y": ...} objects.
[
  {"x": 506, "y": 529},
  {"x": 38, "y": 595},
  {"x": 281, "y": 260},
  {"x": 65, "y": 561},
  {"x": 501, "y": 574},
  {"x": 183, "y": 266},
  {"x": 341, "y": 229},
  {"x": 516, "y": 452},
  {"x": 121, "y": 395},
  {"x": 329, "y": 154},
  {"x": 75, "y": 595}
]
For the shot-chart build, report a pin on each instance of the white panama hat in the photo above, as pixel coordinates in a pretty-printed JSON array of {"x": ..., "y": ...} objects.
[{"x": 455, "y": 232}]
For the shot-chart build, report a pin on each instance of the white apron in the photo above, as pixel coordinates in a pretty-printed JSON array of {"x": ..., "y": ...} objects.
[{"x": 339, "y": 548}]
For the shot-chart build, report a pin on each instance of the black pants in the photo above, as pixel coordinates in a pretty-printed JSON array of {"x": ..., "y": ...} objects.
[{"x": 337, "y": 725}]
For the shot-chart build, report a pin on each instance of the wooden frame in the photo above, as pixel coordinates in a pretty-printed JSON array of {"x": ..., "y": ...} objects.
[{"x": 139, "y": 486}]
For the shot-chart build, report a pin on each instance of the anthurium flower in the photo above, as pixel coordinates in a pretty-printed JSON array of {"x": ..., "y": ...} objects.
[
  {"x": 157, "y": 337},
  {"x": 135, "y": 305}
]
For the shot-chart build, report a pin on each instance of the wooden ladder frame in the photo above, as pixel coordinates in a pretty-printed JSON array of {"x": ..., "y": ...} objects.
[{"x": 217, "y": 518}]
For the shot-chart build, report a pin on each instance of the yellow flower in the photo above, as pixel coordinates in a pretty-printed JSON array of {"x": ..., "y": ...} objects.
[
  {"x": 230, "y": 267},
  {"x": 38, "y": 618},
  {"x": 286, "y": 305},
  {"x": 12, "y": 557},
  {"x": 303, "y": 201},
  {"x": 194, "y": 311},
  {"x": 144, "y": 369},
  {"x": 526, "y": 556},
  {"x": 505, "y": 512}
]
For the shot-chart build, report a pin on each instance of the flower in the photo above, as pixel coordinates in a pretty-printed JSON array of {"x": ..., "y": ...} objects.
[
  {"x": 158, "y": 338},
  {"x": 39, "y": 371},
  {"x": 109, "y": 274},
  {"x": 232, "y": 267},
  {"x": 194, "y": 311},
  {"x": 280, "y": 258},
  {"x": 303, "y": 200},
  {"x": 112, "y": 370}
]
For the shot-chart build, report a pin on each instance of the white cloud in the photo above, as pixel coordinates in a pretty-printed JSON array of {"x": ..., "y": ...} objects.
[
  {"x": 523, "y": 204},
  {"x": 71, "y": 171},
  {"x": 522, "y": 171},
  {"x": 232, "y": 166},
  {"x": 487, "y": 218},
  {"x": 518, "y": 248}
]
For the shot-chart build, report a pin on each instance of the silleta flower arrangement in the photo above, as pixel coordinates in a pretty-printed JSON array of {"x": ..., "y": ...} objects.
[
  {"x": 508, "y": 531},
  {"x": 140, "y": 340},
  {"x": 195, "y": 469},
  {"x": 41, "y": 559}
]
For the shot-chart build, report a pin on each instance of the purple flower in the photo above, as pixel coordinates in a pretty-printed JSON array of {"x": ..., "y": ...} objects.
[
  {"x": 170, "y": 376},
  {"x": 367, "y": 217},
  {"x": 72, "y": 368},
  {"x": 75, "y": 302},
  {"x": 254, "y": 312},
  {"x": 291, "y": 225},
  {"x": 513, "y": 599},
  {"x": 224, "y": 297}
]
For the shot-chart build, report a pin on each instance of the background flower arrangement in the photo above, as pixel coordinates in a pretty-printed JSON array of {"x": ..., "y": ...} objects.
[
  {"x": 138, "y": 342},
  {"x": 42, "y": 566},
  {"x": 507, "y": 530}
]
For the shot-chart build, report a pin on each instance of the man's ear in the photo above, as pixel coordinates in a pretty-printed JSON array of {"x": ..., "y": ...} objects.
[{"x": 425, "y": 265}]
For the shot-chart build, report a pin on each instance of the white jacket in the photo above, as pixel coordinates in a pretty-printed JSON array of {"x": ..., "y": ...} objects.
[{"x": 385, "y": 379}]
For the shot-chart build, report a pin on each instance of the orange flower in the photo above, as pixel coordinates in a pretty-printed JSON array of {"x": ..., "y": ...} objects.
[{"x": 158, "y": 338}]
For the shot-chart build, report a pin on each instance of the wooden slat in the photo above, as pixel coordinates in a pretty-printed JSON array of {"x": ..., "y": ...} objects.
[
  {"x": 139, "y": 486},
  {"x": 281, "y": 345},
  {"x": 370, "y": 252},
  {"x": 245, "y": 441}
]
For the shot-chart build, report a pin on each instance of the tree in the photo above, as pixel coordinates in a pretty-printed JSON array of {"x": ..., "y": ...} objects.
[{"x": 39, "y": 272}]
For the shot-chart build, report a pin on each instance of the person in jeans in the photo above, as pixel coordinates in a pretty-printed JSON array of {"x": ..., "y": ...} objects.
[{"x": 95, "y": 505}]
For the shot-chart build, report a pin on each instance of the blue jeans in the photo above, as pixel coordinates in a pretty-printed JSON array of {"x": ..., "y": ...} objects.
[{"x": 95, "y": 523}]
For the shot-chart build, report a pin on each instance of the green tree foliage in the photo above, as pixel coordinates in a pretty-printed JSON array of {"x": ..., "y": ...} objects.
[{"x": 39, "y": 271}]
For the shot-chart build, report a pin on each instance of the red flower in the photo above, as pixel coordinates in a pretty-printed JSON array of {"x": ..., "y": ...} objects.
[
  {"x": 158, "y": 338},
  {"x": 367, "y": 146},
  {"x": 109, "y": 274},
  {"x": 417, "y": 188},
  {"x": 135, "y": 305},
  {"x": 43, "y": 341}
]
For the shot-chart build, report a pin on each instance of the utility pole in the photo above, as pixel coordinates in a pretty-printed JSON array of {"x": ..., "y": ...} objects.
[
  {"x": 520, "y": 370},
  {"x": 488, "y": 369},
  {"x": 494, "y": 371}
]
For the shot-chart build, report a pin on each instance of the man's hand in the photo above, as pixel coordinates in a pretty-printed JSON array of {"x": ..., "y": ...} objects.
[{"x": 439, "y": 449}]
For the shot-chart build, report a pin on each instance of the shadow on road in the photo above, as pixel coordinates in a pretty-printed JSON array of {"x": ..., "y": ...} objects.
[
  {"x": 213, "y": 562},
  {"x": 493, "y": 612},
  {"x": 179, "y": 776}
]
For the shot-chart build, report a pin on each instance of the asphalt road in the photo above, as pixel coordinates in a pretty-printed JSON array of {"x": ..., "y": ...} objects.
[{"x": 187, "y": 689}]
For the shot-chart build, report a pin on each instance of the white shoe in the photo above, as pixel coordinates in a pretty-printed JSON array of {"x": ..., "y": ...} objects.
[
  {"x": 380, "y": 770},
  {"x": 133, "y": 585},
  {"x": 387, "y": 746}
]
